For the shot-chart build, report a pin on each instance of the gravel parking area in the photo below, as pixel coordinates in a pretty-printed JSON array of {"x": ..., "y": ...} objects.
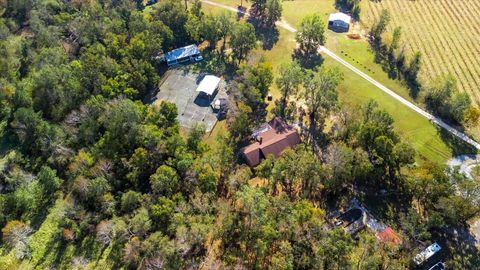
[{"x": 179, "y": 87}]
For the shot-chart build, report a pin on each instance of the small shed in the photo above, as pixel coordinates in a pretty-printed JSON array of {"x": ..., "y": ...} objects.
[
  {"x": 208, "y": 85},
  {"x": 181, "y": 55},
  {"x": 388, "y": 235},
  {"x": 339, "y": 22}
]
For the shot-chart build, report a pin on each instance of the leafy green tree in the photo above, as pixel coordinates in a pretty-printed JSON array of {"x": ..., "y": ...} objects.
[
  {"x": 211, "y": 30},
  {"x": 298, "y": 173},
  {"x": 164, "y": 181},
  {"x": 130, "y": 201},
  {"x": 55, "y": 91},
  {"x": 335, "y": 249},
  {"x": 274, "y": 11},
  {"x": 224, "y": 26},
  {"x": 121, "y": 120},
  {"x": 140, "y": 224},
  {"x": 414, "y": 226},
  {"x": 242, "y": 40},
  {"x": 36, "y": 136},
  {"x": 173, "y": 15},
  {"x": 428, "y": 183},
  {"x": 311, "y": 34},
  {"x": 381, "y": 25},
  {"x": 321, "y": 96},
  {"x": 289, "y": 81},
  {"x": 254, "y": 83},
  {"x": 159, "y": 252},
  {"x": 194, "y": 140},
  {"x": 283, "y": 258},
  {"x": 195, "y": 27},
  {"x": 49, "y": 182},
  {"x": 241, "y": 126},
  {"x": 444, "y": 99}
]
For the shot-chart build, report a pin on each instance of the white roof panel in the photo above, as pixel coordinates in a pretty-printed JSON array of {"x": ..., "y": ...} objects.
[
  {"x": 339, "y": 16},
  {"x": 208, "y": 84}
]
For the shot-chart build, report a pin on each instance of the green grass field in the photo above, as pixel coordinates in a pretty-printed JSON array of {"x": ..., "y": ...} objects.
[
  {"x": 445, "y": 32},
  {"x": 354, "y": 91}
]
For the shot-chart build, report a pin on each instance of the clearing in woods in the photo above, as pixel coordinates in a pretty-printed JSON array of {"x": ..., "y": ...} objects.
[{"x": 446, "y": 32}]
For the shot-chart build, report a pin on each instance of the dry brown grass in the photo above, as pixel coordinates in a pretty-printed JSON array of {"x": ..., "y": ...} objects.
[{"x": 446, "y": 32}]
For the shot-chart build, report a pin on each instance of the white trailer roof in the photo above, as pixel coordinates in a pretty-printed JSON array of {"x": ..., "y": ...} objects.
[{"x": 183, "y": 52}]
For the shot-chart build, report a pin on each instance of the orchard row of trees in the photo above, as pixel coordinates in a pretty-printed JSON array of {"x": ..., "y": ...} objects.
[{"x": 441, "y": 97}]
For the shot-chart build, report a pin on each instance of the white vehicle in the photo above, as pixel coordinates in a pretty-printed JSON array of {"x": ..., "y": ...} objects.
[
  {"x": 438, "y": 266},
  {"x": 427, "y": 253}
]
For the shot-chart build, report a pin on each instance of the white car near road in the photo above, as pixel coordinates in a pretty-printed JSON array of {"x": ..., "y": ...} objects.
[{"x": 427, "y": 253}]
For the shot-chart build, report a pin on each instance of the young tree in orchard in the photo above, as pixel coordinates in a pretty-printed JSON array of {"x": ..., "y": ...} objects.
[
  {"x": 242, "y": 40},
  {"x": 414, "y": 66},
  {"x": 290, "y": 79},
  {"x": 379, "y": 27},
  {"x": 311, "y": 34},
  {"x": 321, "y": 96}
]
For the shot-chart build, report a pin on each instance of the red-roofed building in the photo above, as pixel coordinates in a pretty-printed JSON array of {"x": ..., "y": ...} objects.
[
  {"x": 389, "y": 236},
  {"x": 273, "y": 139}
]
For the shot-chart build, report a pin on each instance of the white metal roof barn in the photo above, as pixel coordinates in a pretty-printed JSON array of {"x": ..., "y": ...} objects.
[{"x": 339, "y": 21}]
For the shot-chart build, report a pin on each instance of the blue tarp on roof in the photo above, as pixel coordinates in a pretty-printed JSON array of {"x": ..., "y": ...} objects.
[{"x": 187, "y": 51}]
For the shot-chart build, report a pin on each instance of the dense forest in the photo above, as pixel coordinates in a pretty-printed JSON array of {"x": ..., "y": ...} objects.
[{"x": 91, "y": 177}]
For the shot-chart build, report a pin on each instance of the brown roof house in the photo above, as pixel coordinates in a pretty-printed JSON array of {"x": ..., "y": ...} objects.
[{"x": 271, "y": 138}]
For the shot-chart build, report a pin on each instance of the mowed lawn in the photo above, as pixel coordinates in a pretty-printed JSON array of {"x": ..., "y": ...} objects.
[
  {"x": 446, "y": 32},
  {"x": 355, "y": 91}
]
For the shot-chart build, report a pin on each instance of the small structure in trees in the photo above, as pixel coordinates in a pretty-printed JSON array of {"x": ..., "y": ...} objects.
[
  {"x": 270, "y": 139},
  {"x": 388, "y": 235},
  {"x": 358, "y": 217},
  {"x": 352, "y": 221},
  {"x": 339, "y": 22}
]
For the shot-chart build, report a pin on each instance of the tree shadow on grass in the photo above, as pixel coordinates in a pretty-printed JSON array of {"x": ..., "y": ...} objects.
[
  {"x": 215, "y": 63},
  {"x": 413, "y": 87},
  {"x": 265, "y": 32},
  {"x": 55, "y": 245},
  {"x": 458, "y": 146},
  {"x": 268, "y": 35},
  {"x": 457, "y": 241},
  {"x": 307, "y": 60}
]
